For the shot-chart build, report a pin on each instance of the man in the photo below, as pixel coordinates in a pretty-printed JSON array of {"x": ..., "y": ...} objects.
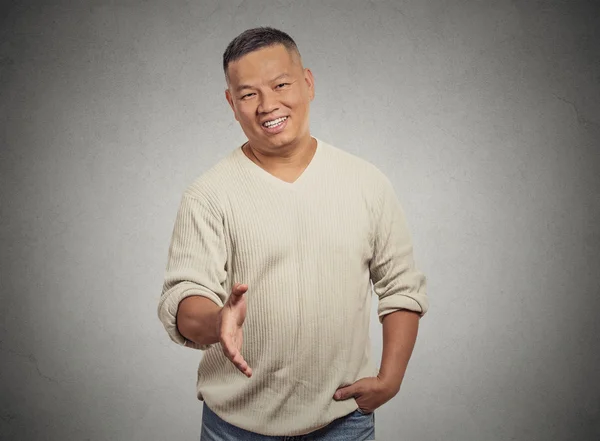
[{"x": 273, "y": 253}]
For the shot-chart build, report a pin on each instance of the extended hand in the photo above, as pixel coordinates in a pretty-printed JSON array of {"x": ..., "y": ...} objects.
[
  {"x": 229, "y": 327},
  {"x": 369, "y": 393}
]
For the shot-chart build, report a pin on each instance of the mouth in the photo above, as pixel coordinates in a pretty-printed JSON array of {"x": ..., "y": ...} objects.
[{"x": 275, "y": 125}]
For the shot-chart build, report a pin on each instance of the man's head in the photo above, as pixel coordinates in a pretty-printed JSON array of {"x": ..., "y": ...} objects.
[{"x": 266, "y": 82}]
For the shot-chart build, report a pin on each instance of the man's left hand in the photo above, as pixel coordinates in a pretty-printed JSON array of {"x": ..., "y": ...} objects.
[{"x": 369, "y": 393}]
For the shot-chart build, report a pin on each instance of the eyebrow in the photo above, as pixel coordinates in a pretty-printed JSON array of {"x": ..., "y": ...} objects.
[{"x": 246, "y": 86}]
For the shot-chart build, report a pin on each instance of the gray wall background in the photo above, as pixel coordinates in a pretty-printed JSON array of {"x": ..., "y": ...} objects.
[{"x": 485, "y": 115}]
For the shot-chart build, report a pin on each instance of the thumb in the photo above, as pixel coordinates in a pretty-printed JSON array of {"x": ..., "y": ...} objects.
[
  {"x": 343, "y": 393},
  {"x": 238, "y": 291}
]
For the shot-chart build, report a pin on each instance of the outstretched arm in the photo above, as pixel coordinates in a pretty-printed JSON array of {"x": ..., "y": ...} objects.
[{"x": 203, "y": 322}]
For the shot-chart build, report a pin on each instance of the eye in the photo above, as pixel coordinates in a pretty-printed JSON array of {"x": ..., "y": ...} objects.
[
  {"x": 247, "y": 95},
  {"x": 283, "y": 84}
]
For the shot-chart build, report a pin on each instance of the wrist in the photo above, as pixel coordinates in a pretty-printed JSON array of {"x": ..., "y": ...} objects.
[{"x": 390, "y": 385}]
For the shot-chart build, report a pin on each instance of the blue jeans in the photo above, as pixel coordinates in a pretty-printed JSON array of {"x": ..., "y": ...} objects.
[{"x": 355, "y": 426}]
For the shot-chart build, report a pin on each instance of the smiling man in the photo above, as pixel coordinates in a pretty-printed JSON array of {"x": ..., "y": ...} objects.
[{"x": 275, "y": 253}]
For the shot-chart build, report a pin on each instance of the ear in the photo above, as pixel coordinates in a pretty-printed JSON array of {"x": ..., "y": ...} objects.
[
  {"x": 310, "y": 82},
  {"x": 229, "y": 99}
]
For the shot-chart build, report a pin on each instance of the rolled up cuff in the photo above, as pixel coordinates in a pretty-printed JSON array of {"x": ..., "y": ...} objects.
[{"x": 397, "y": 302}]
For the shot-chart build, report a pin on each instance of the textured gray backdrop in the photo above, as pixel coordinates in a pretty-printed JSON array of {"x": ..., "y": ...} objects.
[{"x": 485, "y": 115}]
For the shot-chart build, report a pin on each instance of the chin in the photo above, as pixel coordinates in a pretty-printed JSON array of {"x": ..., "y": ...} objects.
[
  {"x": 283, "y": 139},
  {"x": 279, "y": 140}
]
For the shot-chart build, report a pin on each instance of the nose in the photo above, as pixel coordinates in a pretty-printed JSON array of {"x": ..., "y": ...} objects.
[{"x": 268, "y": 102}]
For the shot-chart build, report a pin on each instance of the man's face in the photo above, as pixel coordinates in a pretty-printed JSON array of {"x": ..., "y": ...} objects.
[{"x": 265, "y": 86}]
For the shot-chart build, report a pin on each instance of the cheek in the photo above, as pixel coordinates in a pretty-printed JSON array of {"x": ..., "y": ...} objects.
[
  {"x": 300, "y": 98},
  {"x": 246, "y": 116},
  {"x": 300, "y": 105}
]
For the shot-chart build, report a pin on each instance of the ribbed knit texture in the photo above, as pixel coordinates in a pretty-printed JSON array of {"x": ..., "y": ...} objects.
[{"x": 308, "y": 251}]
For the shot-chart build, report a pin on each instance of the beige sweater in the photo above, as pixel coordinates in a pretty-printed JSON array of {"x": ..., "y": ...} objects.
[{"x": 308, "y": 252}]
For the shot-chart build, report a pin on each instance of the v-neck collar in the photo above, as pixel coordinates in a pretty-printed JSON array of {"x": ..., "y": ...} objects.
[{"x": 257, "y": 170}]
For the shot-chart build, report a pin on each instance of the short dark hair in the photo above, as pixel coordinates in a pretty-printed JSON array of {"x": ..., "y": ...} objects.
[{"x": 254, "y": 39}]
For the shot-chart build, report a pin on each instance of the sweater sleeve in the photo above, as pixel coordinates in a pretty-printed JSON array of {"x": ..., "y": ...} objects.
[
  {"x": 196, "y": 263},
  {"x": 396, "y": 280}
]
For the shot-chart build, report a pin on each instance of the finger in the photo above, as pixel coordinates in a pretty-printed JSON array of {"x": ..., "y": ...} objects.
[
  {"x": 235, "y": 356},
  {"x": 237, "y": 293},
  {"x": 344, "y": 393},
  {"x": 241, "y": 364},
  {"x": 238, "y": 361},
  {"x": 239, "y": 288},
  {"x": 228, "y": 345}
]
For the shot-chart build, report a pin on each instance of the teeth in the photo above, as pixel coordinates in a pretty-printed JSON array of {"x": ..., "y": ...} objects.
[{"x": 275, "y": 122}]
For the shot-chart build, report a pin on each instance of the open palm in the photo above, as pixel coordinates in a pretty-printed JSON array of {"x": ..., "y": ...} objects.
[{"x": 232, "y": 317}]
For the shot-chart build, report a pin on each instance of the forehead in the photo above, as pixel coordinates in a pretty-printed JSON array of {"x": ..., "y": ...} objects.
[{"x": 262, "y": 65}]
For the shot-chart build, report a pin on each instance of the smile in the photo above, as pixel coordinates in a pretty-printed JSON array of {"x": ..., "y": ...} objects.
[{"x": 274, "y": 123}]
